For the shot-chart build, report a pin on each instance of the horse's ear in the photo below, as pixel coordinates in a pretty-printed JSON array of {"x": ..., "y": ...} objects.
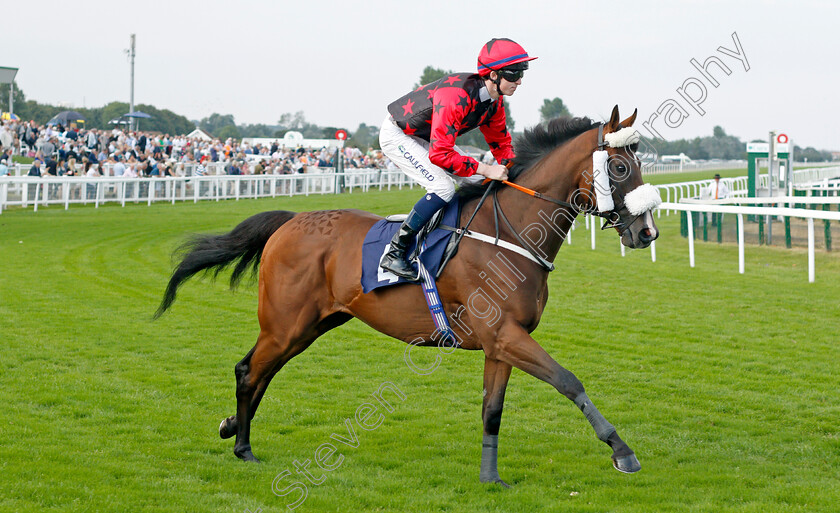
[
  {"x": 629, "y": 121},
  {"x": 612, "y": 124}
]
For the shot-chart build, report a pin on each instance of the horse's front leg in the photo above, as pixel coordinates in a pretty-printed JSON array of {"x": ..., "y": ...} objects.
[
  {"x": 515, "y": 346},
  {"x": 496, "y": 375}
]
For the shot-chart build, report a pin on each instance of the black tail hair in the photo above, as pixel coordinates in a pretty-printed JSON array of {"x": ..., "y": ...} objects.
[{"x": 215, "y": 253}]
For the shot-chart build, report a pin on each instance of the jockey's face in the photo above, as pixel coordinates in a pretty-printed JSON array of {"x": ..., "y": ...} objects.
[{"x": 506, "y": 87}]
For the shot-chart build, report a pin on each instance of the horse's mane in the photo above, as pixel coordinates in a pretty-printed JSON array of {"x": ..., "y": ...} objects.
[{"x": 534, "y": 145}]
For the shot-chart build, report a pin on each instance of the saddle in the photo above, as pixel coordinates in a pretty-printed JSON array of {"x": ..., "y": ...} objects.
[{"x": 434, "y": 223}]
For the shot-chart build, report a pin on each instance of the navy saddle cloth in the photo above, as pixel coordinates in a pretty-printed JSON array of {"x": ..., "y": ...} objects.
[{"x": 378, "y": 240}]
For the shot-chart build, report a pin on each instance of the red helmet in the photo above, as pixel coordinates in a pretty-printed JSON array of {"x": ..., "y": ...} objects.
[{"x": 501, "y": 53}]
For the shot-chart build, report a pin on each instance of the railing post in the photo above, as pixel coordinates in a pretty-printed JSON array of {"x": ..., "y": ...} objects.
[
  {"x": 690, "y": 220},
  {"x": 761, "y": 230},
  {"x": 788, "y": 242},
  {"x": 827, "y": 208},
  {"x": 811, "y": 272},
  {"x": 741, "y": 243}
]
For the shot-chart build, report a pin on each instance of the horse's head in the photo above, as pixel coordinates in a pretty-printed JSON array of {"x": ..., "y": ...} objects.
[{"x": 621, "y": 194}]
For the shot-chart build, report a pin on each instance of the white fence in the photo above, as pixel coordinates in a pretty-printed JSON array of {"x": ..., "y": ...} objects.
[
  {"x": 740, "y": 211},
  {"x": 25, "y": 191},
  {"x": 688, "y": 167},
  {"x": 804, "y": 177},
  {"x": 676, "y": 192}
]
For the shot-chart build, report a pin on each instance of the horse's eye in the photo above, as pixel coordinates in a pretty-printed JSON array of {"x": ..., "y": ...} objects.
[{"x": 621, "y": 168}]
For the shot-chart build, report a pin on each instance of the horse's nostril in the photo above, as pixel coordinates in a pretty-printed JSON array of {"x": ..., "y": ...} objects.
[{"x": 645, "y": 235}]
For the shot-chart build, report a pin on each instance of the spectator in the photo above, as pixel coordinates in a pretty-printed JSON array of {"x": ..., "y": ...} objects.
[
  {"x": 718, "y": 189},
  {"x": 118, "y": 169},
  {"x": 4, "y": 169},
  {"x": 35, "y": 170},
  {"x": 52, "y": 167}
]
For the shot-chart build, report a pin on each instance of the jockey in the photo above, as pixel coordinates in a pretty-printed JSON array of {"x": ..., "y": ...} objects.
[{"x": 419, "y": 132}]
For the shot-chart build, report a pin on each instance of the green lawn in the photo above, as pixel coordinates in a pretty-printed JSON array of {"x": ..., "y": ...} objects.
[{"x": 725, "y": 385}]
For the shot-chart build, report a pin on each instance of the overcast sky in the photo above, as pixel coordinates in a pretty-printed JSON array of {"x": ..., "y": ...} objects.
[{"x": 341, "y": 63}]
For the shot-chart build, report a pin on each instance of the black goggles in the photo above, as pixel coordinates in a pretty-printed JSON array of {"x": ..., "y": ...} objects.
[{"x": 511, "y": 75}]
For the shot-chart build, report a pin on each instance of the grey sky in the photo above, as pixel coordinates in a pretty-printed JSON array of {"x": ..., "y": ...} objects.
[{"x": 343, "y": 62}]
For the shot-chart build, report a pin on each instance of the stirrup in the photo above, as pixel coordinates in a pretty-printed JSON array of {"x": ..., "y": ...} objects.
[{"x": 390, "y": 264}]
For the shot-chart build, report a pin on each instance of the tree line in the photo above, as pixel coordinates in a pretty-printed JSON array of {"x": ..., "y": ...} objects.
[
  {"x": 719, "y": 145},
  {"x": 162, "y": 120}
]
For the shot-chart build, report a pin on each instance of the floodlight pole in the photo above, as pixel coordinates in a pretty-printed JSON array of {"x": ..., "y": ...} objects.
[
  {"x": 131, "y": 105},
  {"x": 11, "y": 98}
]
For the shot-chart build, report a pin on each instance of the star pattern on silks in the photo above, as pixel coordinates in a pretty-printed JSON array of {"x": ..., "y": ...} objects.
[
  {"x": 463, "y": 102},
  {"x": 439, "y": 113},
  {"x": 407, "y": 107},
  {"x": 469, "y": 164}
]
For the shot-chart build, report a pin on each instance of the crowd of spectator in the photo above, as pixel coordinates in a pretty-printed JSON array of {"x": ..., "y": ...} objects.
[{"x": 73, "y": 151}]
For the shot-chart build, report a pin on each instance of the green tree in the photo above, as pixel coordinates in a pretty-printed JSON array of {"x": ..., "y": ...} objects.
[
  {"x": 19, "y": 98},
  {"x": 112, "y": 111},
  {"x": 363, "y": 137},
  {"x": 215, "y": 122},
  {"x": 553, "y": 109},
  {"x": 430, "y": 74},
  {"x": 228, "y": 131},
  {"x": 296, "y": 121}
]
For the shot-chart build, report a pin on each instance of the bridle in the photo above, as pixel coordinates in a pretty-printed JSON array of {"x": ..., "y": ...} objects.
[{"x": 612, "y": 217}]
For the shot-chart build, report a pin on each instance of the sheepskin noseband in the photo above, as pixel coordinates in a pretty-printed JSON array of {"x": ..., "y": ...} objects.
[{"x": 641, "y": 199}]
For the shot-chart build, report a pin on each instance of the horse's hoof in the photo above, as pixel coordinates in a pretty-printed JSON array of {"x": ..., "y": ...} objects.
[
  {"x": 627, "y": 464},
  {"x": 497, "y": 480},
  {"x": 228, "y": 427},
  {"x": 246, "y": 455}
]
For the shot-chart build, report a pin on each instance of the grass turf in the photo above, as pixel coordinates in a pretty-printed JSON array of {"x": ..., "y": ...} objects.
[{"x": 725, "y": 385}]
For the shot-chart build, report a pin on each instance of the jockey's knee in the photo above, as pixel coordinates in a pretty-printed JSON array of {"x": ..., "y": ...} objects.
[{"x": 444, "y": 192}]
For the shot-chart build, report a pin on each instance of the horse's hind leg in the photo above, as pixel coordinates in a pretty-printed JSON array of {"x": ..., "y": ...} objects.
[{"x": 255, "y": 371}]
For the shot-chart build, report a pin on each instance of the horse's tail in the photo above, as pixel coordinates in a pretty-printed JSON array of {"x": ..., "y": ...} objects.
[{"x": 214, "y": 253}]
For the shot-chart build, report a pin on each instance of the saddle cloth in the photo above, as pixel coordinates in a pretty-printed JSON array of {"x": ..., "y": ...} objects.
[{"x": 378, "y": 240}]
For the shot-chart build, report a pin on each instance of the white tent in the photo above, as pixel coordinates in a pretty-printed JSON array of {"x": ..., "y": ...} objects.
[{"x": 199, "y": 134}]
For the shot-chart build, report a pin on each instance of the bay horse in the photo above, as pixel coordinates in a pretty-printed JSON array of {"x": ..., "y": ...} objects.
[{"x": 310, "y": 265}]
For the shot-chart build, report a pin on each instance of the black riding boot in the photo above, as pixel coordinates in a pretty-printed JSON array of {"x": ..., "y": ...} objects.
[{"x": 395, "y": 259}]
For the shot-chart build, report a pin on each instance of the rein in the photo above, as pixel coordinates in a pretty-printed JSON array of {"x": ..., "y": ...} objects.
[{"x": 612, "y": 217}]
